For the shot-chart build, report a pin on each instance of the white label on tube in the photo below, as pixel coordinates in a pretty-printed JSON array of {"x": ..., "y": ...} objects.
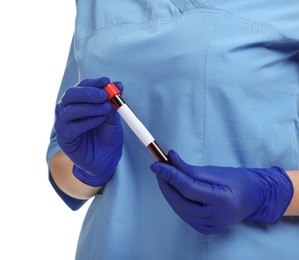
[{"x": 134, "y": 123}]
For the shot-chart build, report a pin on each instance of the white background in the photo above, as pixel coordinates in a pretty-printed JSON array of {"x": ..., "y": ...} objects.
[{"x": 34, "y": 44}]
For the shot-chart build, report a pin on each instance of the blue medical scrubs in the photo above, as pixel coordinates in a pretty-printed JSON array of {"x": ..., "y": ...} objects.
[{"x": 217, "y": 81}]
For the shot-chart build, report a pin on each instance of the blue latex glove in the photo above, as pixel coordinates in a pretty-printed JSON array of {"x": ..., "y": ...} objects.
[
  {"x": 89, "y": 131},
  {"x": 212, "y": 199}
]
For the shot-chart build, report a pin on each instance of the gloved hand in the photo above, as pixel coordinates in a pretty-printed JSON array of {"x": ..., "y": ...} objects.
[
  {"x": 89, "y": 131},
  {"x": 212, "y": 199}
]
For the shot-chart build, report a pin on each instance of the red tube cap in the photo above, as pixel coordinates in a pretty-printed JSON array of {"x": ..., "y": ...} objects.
[{"x": 112, "y": 90}]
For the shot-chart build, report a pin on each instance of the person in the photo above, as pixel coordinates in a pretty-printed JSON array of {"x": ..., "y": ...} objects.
[{"x": 217, "y": 84}]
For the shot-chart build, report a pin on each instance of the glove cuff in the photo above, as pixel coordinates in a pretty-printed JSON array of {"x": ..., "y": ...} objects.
[
  {"x": 278, "y": 192},
  {"x": 94, "y": 181}
]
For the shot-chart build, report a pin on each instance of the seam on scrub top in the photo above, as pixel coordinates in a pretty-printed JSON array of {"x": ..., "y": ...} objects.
[
  {"x": 254, "y": 24},
  {"x": 206, "y": 238},
  {"x": 205, "y": 86},
  {"x": 220, "y": 12},
  {"x": 133, "y": 25}
]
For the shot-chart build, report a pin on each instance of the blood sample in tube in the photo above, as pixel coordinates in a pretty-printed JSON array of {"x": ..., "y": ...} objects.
[{"x": 114, "y": 96}]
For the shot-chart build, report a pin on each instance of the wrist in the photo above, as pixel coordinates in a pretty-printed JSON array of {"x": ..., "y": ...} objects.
[{"x": 293, "y": 208}]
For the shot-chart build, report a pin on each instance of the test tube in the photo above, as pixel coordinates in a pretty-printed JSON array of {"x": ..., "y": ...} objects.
[{"x": 114, "y": 96}]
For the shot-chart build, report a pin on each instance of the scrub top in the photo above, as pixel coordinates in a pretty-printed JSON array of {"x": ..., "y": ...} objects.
[{"x": 217, "y": 81}]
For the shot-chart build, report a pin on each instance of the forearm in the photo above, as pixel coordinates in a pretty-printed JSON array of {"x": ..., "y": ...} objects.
[
  {"x": 61, "y": 171},
  {"x": 293, "y": 209}
]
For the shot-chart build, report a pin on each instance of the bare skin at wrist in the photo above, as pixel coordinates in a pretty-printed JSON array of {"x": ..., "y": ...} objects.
[
  {"x": 61, "y": 171},
  {"x": 293, "y": 209}
]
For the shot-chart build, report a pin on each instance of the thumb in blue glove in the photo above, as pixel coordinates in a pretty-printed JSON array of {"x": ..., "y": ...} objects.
[
  {"x": 212, "y": 199},
  {"x": 89, "y": 131}
]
